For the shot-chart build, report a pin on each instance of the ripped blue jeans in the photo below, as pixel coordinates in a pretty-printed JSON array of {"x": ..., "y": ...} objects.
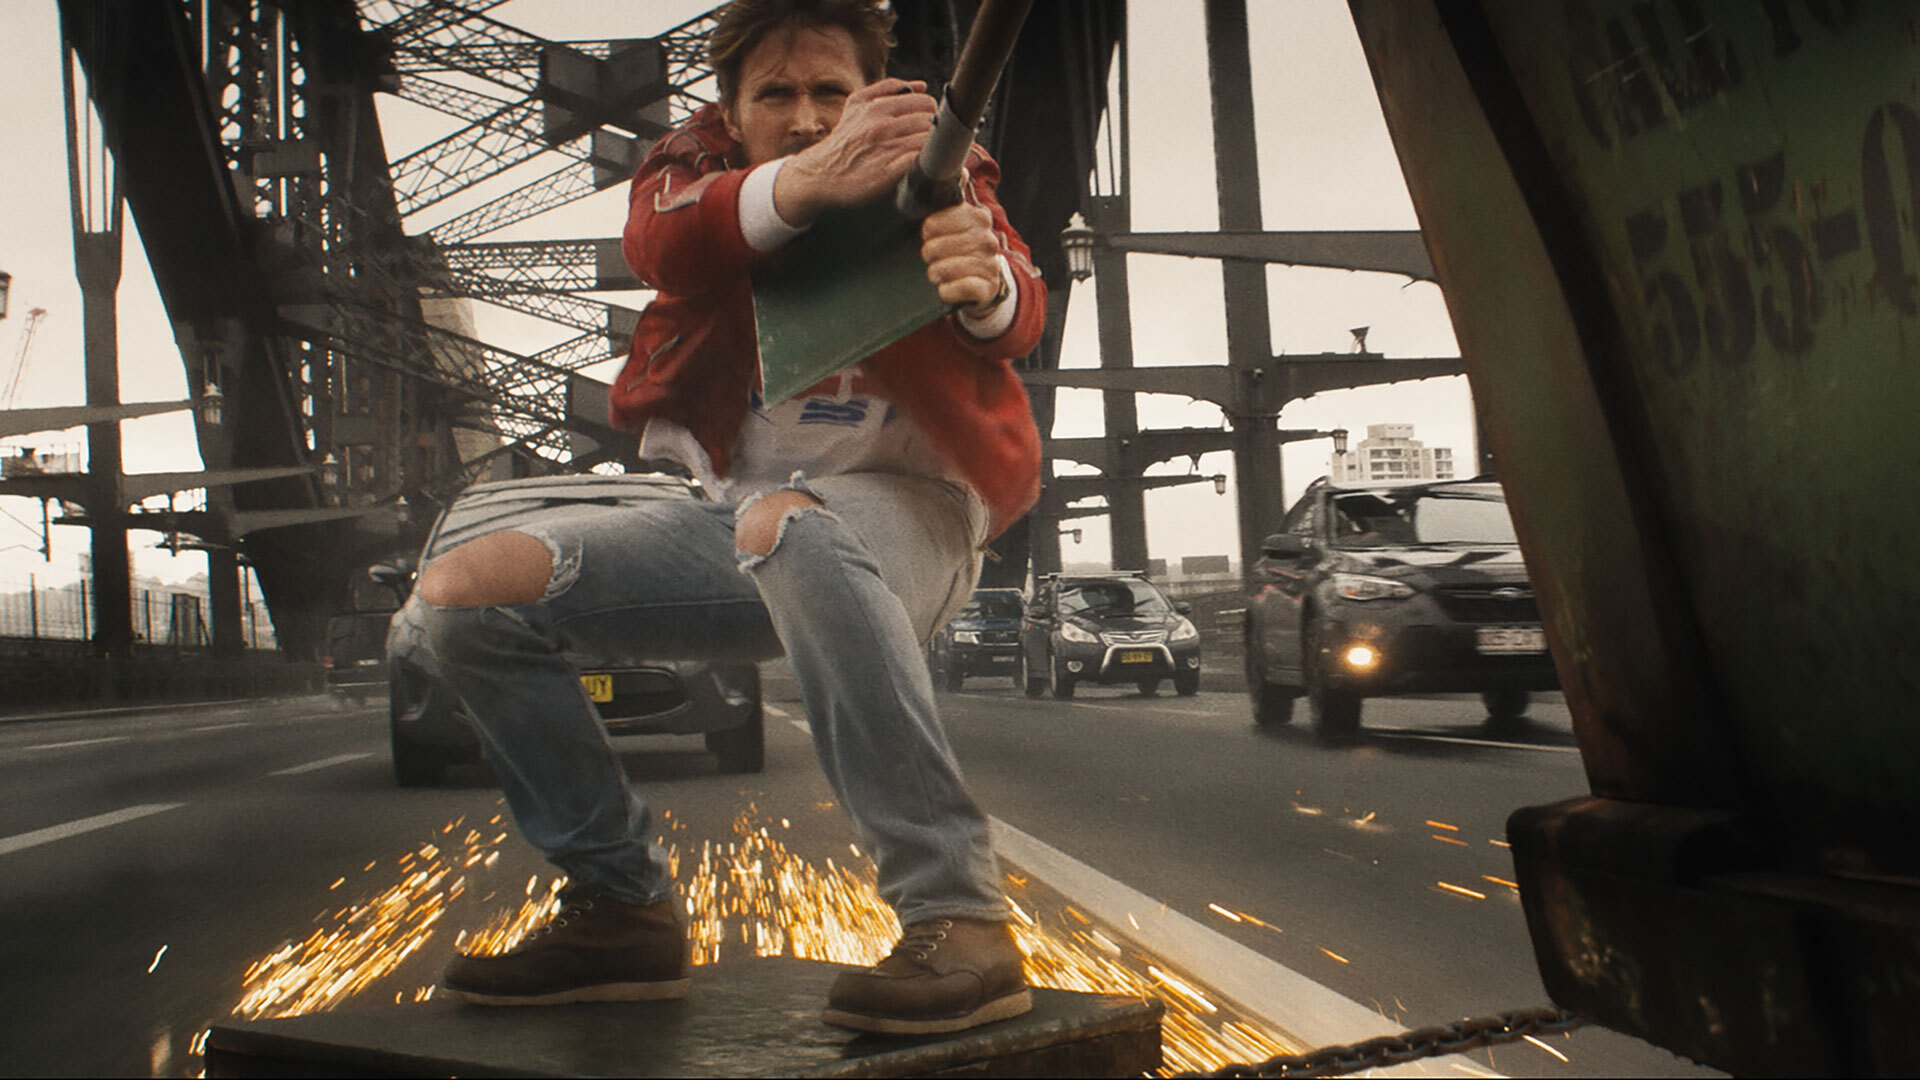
[{"x": 849, "y": 591}]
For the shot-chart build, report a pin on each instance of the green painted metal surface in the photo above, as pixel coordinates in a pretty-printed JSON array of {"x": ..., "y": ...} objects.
[
  {"x": 852, "y": 285},
  {"x": 1680, "y": 244},
  {"x": 1748, "y": 175}
]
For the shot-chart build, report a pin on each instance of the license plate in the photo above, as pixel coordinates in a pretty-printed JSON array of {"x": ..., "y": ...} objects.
[
  {"x": 1008, "y": 659},
  {"x": 1137, "y": 656},
  {"x": 1511, "y": 639},
  {"x": 599, "y": 687}
]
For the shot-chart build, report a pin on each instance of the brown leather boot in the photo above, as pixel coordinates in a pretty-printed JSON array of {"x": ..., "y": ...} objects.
[
  {"x": 596, "y": 948},
  {"x": 944, "y": 975}
]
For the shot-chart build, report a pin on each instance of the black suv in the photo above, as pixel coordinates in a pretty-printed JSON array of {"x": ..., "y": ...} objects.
[
  {"x": 1106, "y": 628},
  {"x": 1390, "y": 590},
  {"x": 984, "y": 639}
]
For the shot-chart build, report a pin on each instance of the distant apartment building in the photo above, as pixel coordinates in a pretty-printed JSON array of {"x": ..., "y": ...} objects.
[{"x": 1390, "y": 452}]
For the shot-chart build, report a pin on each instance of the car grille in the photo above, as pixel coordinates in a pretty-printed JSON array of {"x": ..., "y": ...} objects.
[
  {"x": 1490, "y": 604},
  {"x": 1138, "y": 637},
  {"x": 642, "y": 693},
  {"x": 999, "y": 637}
]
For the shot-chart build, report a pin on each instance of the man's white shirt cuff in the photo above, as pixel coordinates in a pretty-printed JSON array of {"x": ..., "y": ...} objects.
[
  {"x": 760, "y": 220},
  {"x": 1000, "y": 319}
]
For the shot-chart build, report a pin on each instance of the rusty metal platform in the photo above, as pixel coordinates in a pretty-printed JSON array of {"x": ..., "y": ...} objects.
[{"x": 751, "y": 1018}]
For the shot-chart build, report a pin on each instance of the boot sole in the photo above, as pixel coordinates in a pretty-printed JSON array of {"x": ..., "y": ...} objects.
[
  {"x": 1004, "y": 1008},
  {"x": 662, "y": 990}
]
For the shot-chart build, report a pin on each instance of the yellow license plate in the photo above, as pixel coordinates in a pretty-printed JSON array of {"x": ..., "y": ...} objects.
[
  {"x": 1137, "y": 656},
  {"x": 599, "y": 687}
]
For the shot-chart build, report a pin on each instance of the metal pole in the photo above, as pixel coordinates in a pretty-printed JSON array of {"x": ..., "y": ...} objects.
[
  {"x": 33, "y": 605},
  {"x": 1258, "y": 490}
]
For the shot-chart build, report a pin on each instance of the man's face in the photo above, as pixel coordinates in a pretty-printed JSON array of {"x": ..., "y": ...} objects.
[{"x": 791, "y": 89}]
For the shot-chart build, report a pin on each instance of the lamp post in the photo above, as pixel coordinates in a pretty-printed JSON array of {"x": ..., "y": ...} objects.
[{"x": 1077, "y": 240}]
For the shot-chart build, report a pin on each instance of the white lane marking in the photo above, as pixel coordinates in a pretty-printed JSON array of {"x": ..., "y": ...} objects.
[
  {"x": 802, "y": 725},
  {"x": 776, "y": 712},
  {"x": 11, "y": 844},
  {"x": 1284, "y": 998},
  {"x": 1091, "y": 705},
  {"x": 219, "y": 727},
  {"x": 1401, "y": 733},
  {"x": 77, "y": 742},
  {"x": 323, "y": 763}
]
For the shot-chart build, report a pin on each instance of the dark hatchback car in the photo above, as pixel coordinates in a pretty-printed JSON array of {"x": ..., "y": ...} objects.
[
  {"x": 1373, "y": 591},
  {"x": 983, "y": 639},
  {"x": 634, "y": 695},
  {"x": 356, "y": 656},
  {"x": 1109, "y": 629}
]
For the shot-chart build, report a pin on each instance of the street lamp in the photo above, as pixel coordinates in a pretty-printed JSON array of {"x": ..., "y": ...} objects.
[
  {"x": 211, "y": 404},
  {"x": 1219, "y": 483},
  {"x": 330, "y": 471},
  {"x": 6, "y": 286},
  {"x": 1077, "y": 241},
  {"x": 1339, "y": 440}
]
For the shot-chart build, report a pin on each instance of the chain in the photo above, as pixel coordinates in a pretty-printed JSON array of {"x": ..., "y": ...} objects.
[{"x": 1436, "y": 1041}]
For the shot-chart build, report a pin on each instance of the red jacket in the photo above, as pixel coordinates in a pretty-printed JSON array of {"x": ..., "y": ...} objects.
[{"x": 695, "y": 357}]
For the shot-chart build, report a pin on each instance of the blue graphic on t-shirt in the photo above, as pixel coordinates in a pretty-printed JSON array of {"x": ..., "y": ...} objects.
[{"x": 848, "y": 413}]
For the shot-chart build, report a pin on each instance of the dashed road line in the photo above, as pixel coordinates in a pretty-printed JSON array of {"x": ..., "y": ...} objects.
[
  {"x": 323, "y": 763},
  {"x": 1402, "y": 733},
  {"x": 22, "y": 841},
  {"x": 78, "y": 742},
  {"x": 219, "y": 727}
]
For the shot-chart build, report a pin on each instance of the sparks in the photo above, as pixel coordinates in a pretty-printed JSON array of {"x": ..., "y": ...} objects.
[
  {"x": 156, "y": 959},
  {"x": 1224, "y": 913},
  {"x": 1333, "y": 954},
  {"x": 1443, "y": 825},
  {"x": 1545, "y": 1047},
  {"x": 1500, "y": 843},
  {"x": 1450, "y": 840},
  {"x": 1501, "y": 881},
  {"x": 1463, "y": 891}
]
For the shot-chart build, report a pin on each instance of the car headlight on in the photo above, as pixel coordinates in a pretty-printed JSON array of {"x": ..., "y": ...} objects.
[
  {"x": 1363, "y": 587},
  {"x": 966, "y": 637},
  {"x": 1186, "y": 631},
  {"x": 1070, "y": 632}
]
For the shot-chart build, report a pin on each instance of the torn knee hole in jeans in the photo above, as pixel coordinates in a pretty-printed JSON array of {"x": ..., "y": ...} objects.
[
  {"x": 751, "y": 559},
  {"x": 565, "y": 564}
]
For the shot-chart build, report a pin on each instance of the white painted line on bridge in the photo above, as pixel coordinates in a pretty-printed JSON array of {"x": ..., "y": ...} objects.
[
  {"x": 219, "y": 727},
  {"x": 323, "y": 763},
  {"x": 1403, "y": 733},
  {"x": 776, "y": 711},
  {"x": 11, "y": 844},
  {"x": 78, "y": 742},
  {"x": 1285, "y": 999}
]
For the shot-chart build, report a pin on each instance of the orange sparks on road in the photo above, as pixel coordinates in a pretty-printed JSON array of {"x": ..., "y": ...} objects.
[
  {"x": 1545, "y": 1047},
  {"x": 1443, "y": 825},
  {"x": 1500, "y": 843},
  {"x": 1451, "y": 840},
  {"x": 1333, "y": 954},
  {"x": 752, "y": 896},
  {"x": 1500, "y": 881},
  {"x": 1463, "y": 891}
]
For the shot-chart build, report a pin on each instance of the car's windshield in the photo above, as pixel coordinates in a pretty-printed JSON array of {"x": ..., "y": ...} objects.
[
  {"x": 1364, "y": 519},
  {"x": 1121, "y": 596},
  {"x": 992, "y": 607},
  {"x": 477, "y": 513}
]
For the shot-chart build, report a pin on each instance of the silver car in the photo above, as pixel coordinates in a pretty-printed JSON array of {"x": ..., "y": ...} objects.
[{"x": 634, "y": 696}]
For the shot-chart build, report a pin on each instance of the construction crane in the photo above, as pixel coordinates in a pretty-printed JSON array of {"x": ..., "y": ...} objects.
[{"x": 34, "y": 315}]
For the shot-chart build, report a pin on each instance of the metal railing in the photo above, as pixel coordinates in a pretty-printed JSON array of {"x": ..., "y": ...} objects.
[{"x": 175, "y": 618}]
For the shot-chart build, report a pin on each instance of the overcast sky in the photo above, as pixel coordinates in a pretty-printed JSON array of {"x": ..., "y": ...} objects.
[{"x": 1325, "y": 163}]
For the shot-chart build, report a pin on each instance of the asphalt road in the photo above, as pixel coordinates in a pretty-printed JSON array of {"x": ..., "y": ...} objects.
[{"x": 149, "y": 859}]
